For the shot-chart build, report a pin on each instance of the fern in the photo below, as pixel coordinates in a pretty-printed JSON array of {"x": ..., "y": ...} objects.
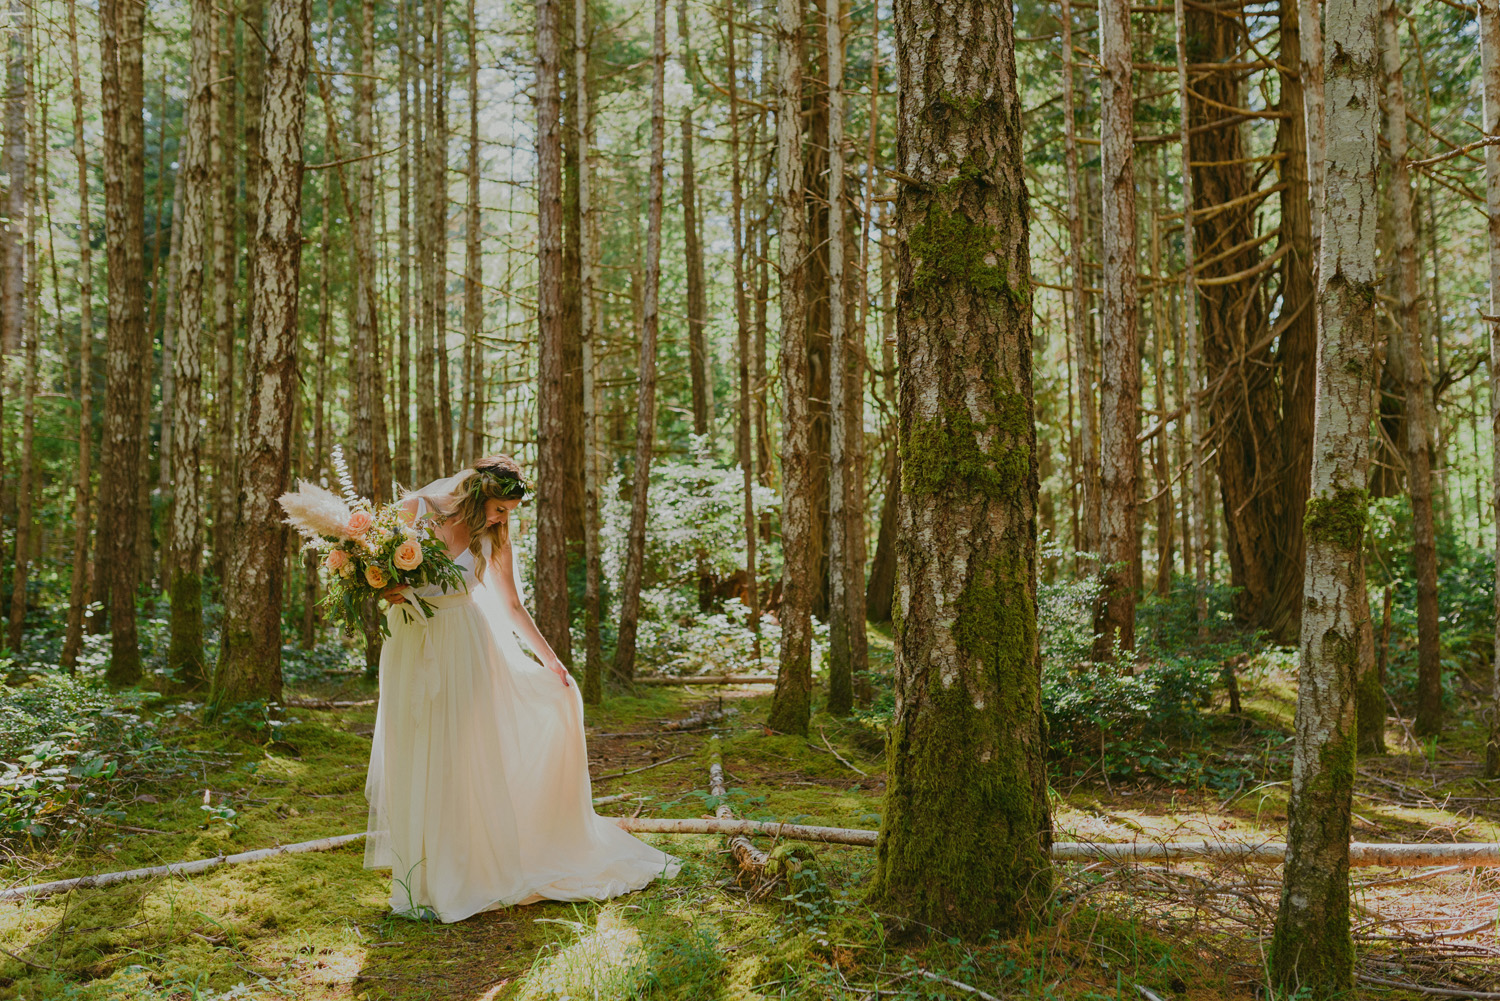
[{"x": 346, "y": 481}]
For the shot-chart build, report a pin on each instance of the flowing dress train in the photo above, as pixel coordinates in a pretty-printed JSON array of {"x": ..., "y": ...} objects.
[{"x": 479, "y": 792}]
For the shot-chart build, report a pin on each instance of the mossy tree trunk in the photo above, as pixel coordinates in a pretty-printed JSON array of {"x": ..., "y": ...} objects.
[
  {"x": 1489, "y": 51},
  {"x": 964, "y": 838},
  {"x": 184, "y": 551},
  {"x": 840, "y": 623},
  {"x": 1311, "y": 946},
  {"x": 1417, "y": 386},
  {"x": 1120, "y": 364},
  {"x": 250, "y": 655},
  {"x": 791, "y": 703}
]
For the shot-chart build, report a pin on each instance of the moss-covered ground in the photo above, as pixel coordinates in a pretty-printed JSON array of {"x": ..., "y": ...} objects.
[{"x": 316, "y": 925}]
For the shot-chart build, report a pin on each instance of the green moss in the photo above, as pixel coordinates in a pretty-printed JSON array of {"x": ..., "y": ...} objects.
[
  {"x": 1338, "y": 520},
  {"x": 185, "y": 658},
  {"x": 952, "y": 249},
  {"x": 319, "y": 738},
  {"x": 946, "y": 451}
]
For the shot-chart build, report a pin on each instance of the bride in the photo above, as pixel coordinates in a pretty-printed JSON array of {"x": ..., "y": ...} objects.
[{"x": 478, "y": 786}]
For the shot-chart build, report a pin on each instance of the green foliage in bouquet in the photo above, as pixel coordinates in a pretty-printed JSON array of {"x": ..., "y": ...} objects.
[{"x": 367, "y": 551}]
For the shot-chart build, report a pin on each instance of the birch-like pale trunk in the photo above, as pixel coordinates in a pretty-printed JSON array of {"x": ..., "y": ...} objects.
[
  {"x": 12, "y": 237},
  {"x": 78, "y": 596},
  {"x": 1119, "y": 363},
  {"x": 1489, "y": 53},
  {"x": 26, "y": 475},
  {"x": 1198, "y": 487},
  {"x": 966, "y": 827},
  {"x": 250, "y": 655},
  {"x": 700, "y": 367},
  {"x": 645, "y": 414},
  {"x": 1418, "y": 389},
  {"x": 185, "y": 540},
  {"x": 1311, "y": 946},
  {"x": 840, "y": 676},
  {"x": 791, "y": 703},
  {"x": 593, "y": 650}
]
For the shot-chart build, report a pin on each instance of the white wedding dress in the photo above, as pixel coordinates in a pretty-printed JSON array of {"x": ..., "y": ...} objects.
[{"x": 479, "y": 792}]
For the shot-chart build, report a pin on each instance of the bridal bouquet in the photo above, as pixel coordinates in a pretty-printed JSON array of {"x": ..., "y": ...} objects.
[{"x": 366, "y": 550}]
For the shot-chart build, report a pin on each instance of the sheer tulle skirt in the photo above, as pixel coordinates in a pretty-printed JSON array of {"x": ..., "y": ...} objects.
[{"x": 478, "y": 788}]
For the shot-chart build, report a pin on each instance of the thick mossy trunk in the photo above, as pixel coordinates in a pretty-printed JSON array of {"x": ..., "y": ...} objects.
[
  {"x": 964, "y": 837},
  {"x": 185, "y": 660}
]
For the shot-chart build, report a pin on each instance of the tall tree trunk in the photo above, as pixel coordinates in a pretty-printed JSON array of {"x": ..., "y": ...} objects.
[
  {"x": 1120, "y": 376},
  {"x": 593, "y": 650},
  {"x": 745, "y": 446},
  {"x": 429, "y": 445},
  {"x": 791, "y": 703},
  {"x": 552, "y": 462},
  {"x": 840, "y": 622},
  {"x": 253, "y": 66},
  {"x": 78, "y": 595},
  {"x": 1311, "y": 946},
  {"x": 12, "y": 245},
  {"x": 1489, "y": 52},
  {"x": 363, "y": 338},
  {"x": 1088, "y": 426},
  {"x": 700, "y": 369},
  {"x": 226, "y": 483},
  {"x": 1198, "y": 545},
  {"x": 438, "y": 143},
  {"x": 645, "y": 414},
  {"x": 965, "y": 833},
  {"x": 1418, "y": 391},
  {"x": 473, "y": 269},
  {"x": 121, "y": 32},
  {"x": 196, "y": 181},
  {"x": 404, "y": 468},
  {"x": 26, "y": 475},
  {"x": 1298, "y": 355},
  {"x": 250, "y": 655}
]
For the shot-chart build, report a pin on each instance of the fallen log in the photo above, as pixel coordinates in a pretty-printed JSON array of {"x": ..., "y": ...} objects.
[
  {"x": 174, "y": 868},
  {"x": 326, "y": 704},
  {"x": 711, "y": 679},
  {"x": 698, "y": 719},
  {"x": 751, "y": 859},
  {"x": 1470, "y": 855}
]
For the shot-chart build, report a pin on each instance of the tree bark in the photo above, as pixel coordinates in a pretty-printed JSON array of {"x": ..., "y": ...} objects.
[
  {"x": 966, "y": 829},
  {"x": 121, "y": 30},
  {"x": 437, "y": 142},
  {"x": 840, "y": 623},
  {"x": 473, "y": 444},
  {"x": 645, "y": 414},
  {"x": 78, "y": 595},
  {"x": 552, "y": 460},
  {"x": 226, "y": 484},
  {"x": 12, "y": 246},
  {"x": 699, "y": 367},
  {"x": 791, "y": 703},
  {"x": 196, "y": 182},
  {"x": 1489, "y": 52},
  {"x": 27, "y": 474},
  {"x": 429, "y": 445},
  {"x": 1088, "y": 433},
  {"x": 1120, "y": 376},
  {"x": 745, "y": 450},
  {"x": 1418, "y": 391},
  {"x": 404, "y": 468},
  {"x": 1311, "y": 946},
  {"x": 250, "y": 657},
  {"x": 593, "y": 650}
]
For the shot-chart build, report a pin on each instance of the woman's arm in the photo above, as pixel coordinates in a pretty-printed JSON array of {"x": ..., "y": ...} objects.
[{"x": 502, "y": 567}]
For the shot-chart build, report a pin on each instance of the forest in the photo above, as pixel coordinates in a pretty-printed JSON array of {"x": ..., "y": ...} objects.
[{"x": 1017, "y": 485}]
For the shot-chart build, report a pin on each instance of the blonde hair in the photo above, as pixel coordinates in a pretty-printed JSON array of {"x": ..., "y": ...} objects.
[{"x": 495, "y": 477}]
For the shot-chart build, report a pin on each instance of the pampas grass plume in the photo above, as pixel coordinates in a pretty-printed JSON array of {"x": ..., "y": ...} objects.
[{"x": 315, "y": 512}]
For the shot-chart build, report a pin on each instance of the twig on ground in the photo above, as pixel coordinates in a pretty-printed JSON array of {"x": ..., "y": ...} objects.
[
  {"x": 836, "y": 754},
  {"x": 654, "y": 764}
]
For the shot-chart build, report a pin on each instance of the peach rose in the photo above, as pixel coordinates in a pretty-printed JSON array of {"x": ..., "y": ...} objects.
[
  {"x": 374, "y": 576},
  {"x": 335, "y": 560},
  {"x": 408, "y": 555},
  {"x": 359, "y": 524}
]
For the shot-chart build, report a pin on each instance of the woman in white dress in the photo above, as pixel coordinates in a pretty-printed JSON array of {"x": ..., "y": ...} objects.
[{"x": 478, "y": 786}]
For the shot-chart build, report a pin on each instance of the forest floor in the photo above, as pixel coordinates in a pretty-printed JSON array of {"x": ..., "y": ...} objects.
[{"x": 316, "y": 925}]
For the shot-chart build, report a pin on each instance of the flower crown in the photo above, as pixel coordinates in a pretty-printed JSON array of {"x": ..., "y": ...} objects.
[{"x": 502, "y": 483}]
